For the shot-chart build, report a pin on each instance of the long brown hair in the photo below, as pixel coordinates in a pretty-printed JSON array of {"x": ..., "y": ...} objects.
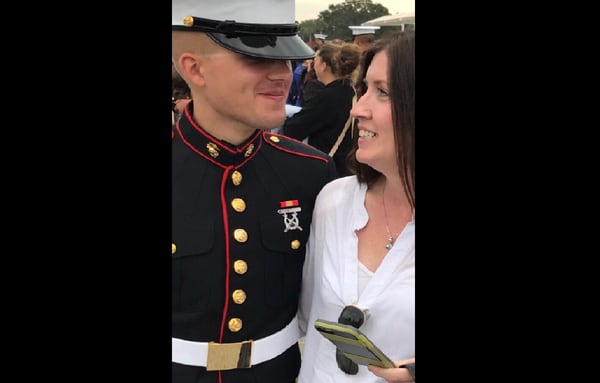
[{"x": 400, "y": 48}]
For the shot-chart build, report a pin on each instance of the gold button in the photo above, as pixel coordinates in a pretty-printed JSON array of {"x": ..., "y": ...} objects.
[
  {"x": 188, "y": 21},
  {"x": 240, "y": 235},
  {"x": 236, "y": 178},
  {"x": 295, "y": 244},
  {"x": 173, "y": 248},
  {"x": 274, "y": 138},
  {"x": 239, "y": 296},
  {"x": 235, "y": 324},
  {"x": 238, "y": 204},
  {"x": 240, "y": 266}
]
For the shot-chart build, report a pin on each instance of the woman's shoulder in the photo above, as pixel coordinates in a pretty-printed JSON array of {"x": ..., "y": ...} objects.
[
  {"x": 341, "y": 87},
  {"x": 341, "y": 188},
  {"x": 343, "y": 200}
]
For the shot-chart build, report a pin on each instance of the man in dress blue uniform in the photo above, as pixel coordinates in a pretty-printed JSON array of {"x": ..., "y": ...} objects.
[{"x": 242, "y": 196}]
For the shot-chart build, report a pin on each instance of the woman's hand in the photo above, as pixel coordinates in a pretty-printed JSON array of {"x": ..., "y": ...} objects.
[{"x": 394, "y": 375}]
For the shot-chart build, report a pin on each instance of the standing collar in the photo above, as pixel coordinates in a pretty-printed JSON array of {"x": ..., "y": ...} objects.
[{"x": 219, "y": 152}]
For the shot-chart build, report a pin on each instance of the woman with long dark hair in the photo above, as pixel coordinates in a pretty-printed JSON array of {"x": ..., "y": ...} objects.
[{"x": 361, "y": 250}]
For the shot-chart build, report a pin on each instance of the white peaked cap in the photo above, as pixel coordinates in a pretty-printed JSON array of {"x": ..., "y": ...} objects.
[
  {"x": 257, "y": 28},
  {"x": 240, "y": 11},
  {"x": 320, "y": 36},
  {"x": 364, "y": 30}
]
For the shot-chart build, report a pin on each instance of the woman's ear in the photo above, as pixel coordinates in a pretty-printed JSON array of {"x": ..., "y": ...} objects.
[{"x": 322, "y": 65}]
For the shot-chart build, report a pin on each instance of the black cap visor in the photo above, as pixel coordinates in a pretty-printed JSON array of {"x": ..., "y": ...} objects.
[
  {"x": 279, "y": 42},
  {"x": 270, "y": 47}
]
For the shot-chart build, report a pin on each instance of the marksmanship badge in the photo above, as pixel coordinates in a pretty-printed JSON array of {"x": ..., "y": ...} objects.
[{"x": 289, "y": 210}]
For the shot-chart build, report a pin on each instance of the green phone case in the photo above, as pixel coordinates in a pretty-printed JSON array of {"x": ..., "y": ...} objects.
[{"x": 353, "y": 343}]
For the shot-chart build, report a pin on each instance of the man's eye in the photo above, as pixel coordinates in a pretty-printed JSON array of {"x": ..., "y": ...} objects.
[{"x": 255, "y": 60}]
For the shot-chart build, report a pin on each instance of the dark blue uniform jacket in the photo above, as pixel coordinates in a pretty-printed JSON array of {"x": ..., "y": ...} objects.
[{"x": 240, "y": 221}]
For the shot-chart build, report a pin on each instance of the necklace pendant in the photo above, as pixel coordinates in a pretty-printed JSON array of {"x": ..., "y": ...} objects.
[{"x": 390, "y": 243}]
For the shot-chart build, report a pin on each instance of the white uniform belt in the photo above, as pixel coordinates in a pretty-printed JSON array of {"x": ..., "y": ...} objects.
[{"x": 267, "y": 348}]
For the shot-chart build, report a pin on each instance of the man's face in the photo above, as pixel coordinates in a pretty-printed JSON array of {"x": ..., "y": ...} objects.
[{"x": 245, "y": 90}]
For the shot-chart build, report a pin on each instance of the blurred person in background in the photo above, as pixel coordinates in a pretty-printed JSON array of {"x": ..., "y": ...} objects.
[
  {"x": 323, "y": 117},
  {"x": 363, "y": 36},
  {"x": 180, "y": 96}
]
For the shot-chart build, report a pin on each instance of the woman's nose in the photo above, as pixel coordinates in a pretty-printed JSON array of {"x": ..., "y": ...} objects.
[{"x": 360, "y": 110}]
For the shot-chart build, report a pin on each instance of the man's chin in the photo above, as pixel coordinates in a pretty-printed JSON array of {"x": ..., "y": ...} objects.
[{"x": 272, "y": 122}]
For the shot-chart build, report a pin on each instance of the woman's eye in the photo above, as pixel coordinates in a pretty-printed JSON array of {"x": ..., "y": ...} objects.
[{"x": 382, "y": 92}]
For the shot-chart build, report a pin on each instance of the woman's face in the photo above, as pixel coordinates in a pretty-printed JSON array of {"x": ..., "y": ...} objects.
[
  {"x": 319, "y": 67},
  {"x": 376, "y": 145}
]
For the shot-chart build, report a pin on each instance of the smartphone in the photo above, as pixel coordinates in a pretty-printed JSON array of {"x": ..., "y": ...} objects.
[{"x": 353, "y": 343}]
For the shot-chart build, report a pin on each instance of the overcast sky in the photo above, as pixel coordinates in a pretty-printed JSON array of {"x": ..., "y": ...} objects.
[{"x": 310, "y": 9}]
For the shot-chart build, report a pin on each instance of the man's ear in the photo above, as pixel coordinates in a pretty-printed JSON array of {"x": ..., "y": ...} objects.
[{"x": 192, "y": 69}]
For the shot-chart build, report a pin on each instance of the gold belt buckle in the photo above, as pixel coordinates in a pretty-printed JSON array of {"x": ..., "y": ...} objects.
[{"x": 229, "y": 356}]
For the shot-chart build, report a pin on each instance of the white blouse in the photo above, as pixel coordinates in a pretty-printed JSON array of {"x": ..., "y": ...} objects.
[{"x": 332, "y": 280}]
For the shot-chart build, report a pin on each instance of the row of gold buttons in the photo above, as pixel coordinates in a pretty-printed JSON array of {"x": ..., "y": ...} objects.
[{"x": 239, "y": 266}]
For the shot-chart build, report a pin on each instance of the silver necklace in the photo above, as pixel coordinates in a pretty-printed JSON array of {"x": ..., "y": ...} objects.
[{"x": 390, "y": 240}]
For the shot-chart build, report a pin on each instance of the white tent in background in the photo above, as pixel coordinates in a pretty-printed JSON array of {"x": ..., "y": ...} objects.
[{"x": 399, "y": 19}]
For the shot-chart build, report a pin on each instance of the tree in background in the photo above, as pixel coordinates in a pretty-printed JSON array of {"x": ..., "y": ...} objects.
[
  {"x": 334, "y": 21},
  {"x": 308, "y": 27}
]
